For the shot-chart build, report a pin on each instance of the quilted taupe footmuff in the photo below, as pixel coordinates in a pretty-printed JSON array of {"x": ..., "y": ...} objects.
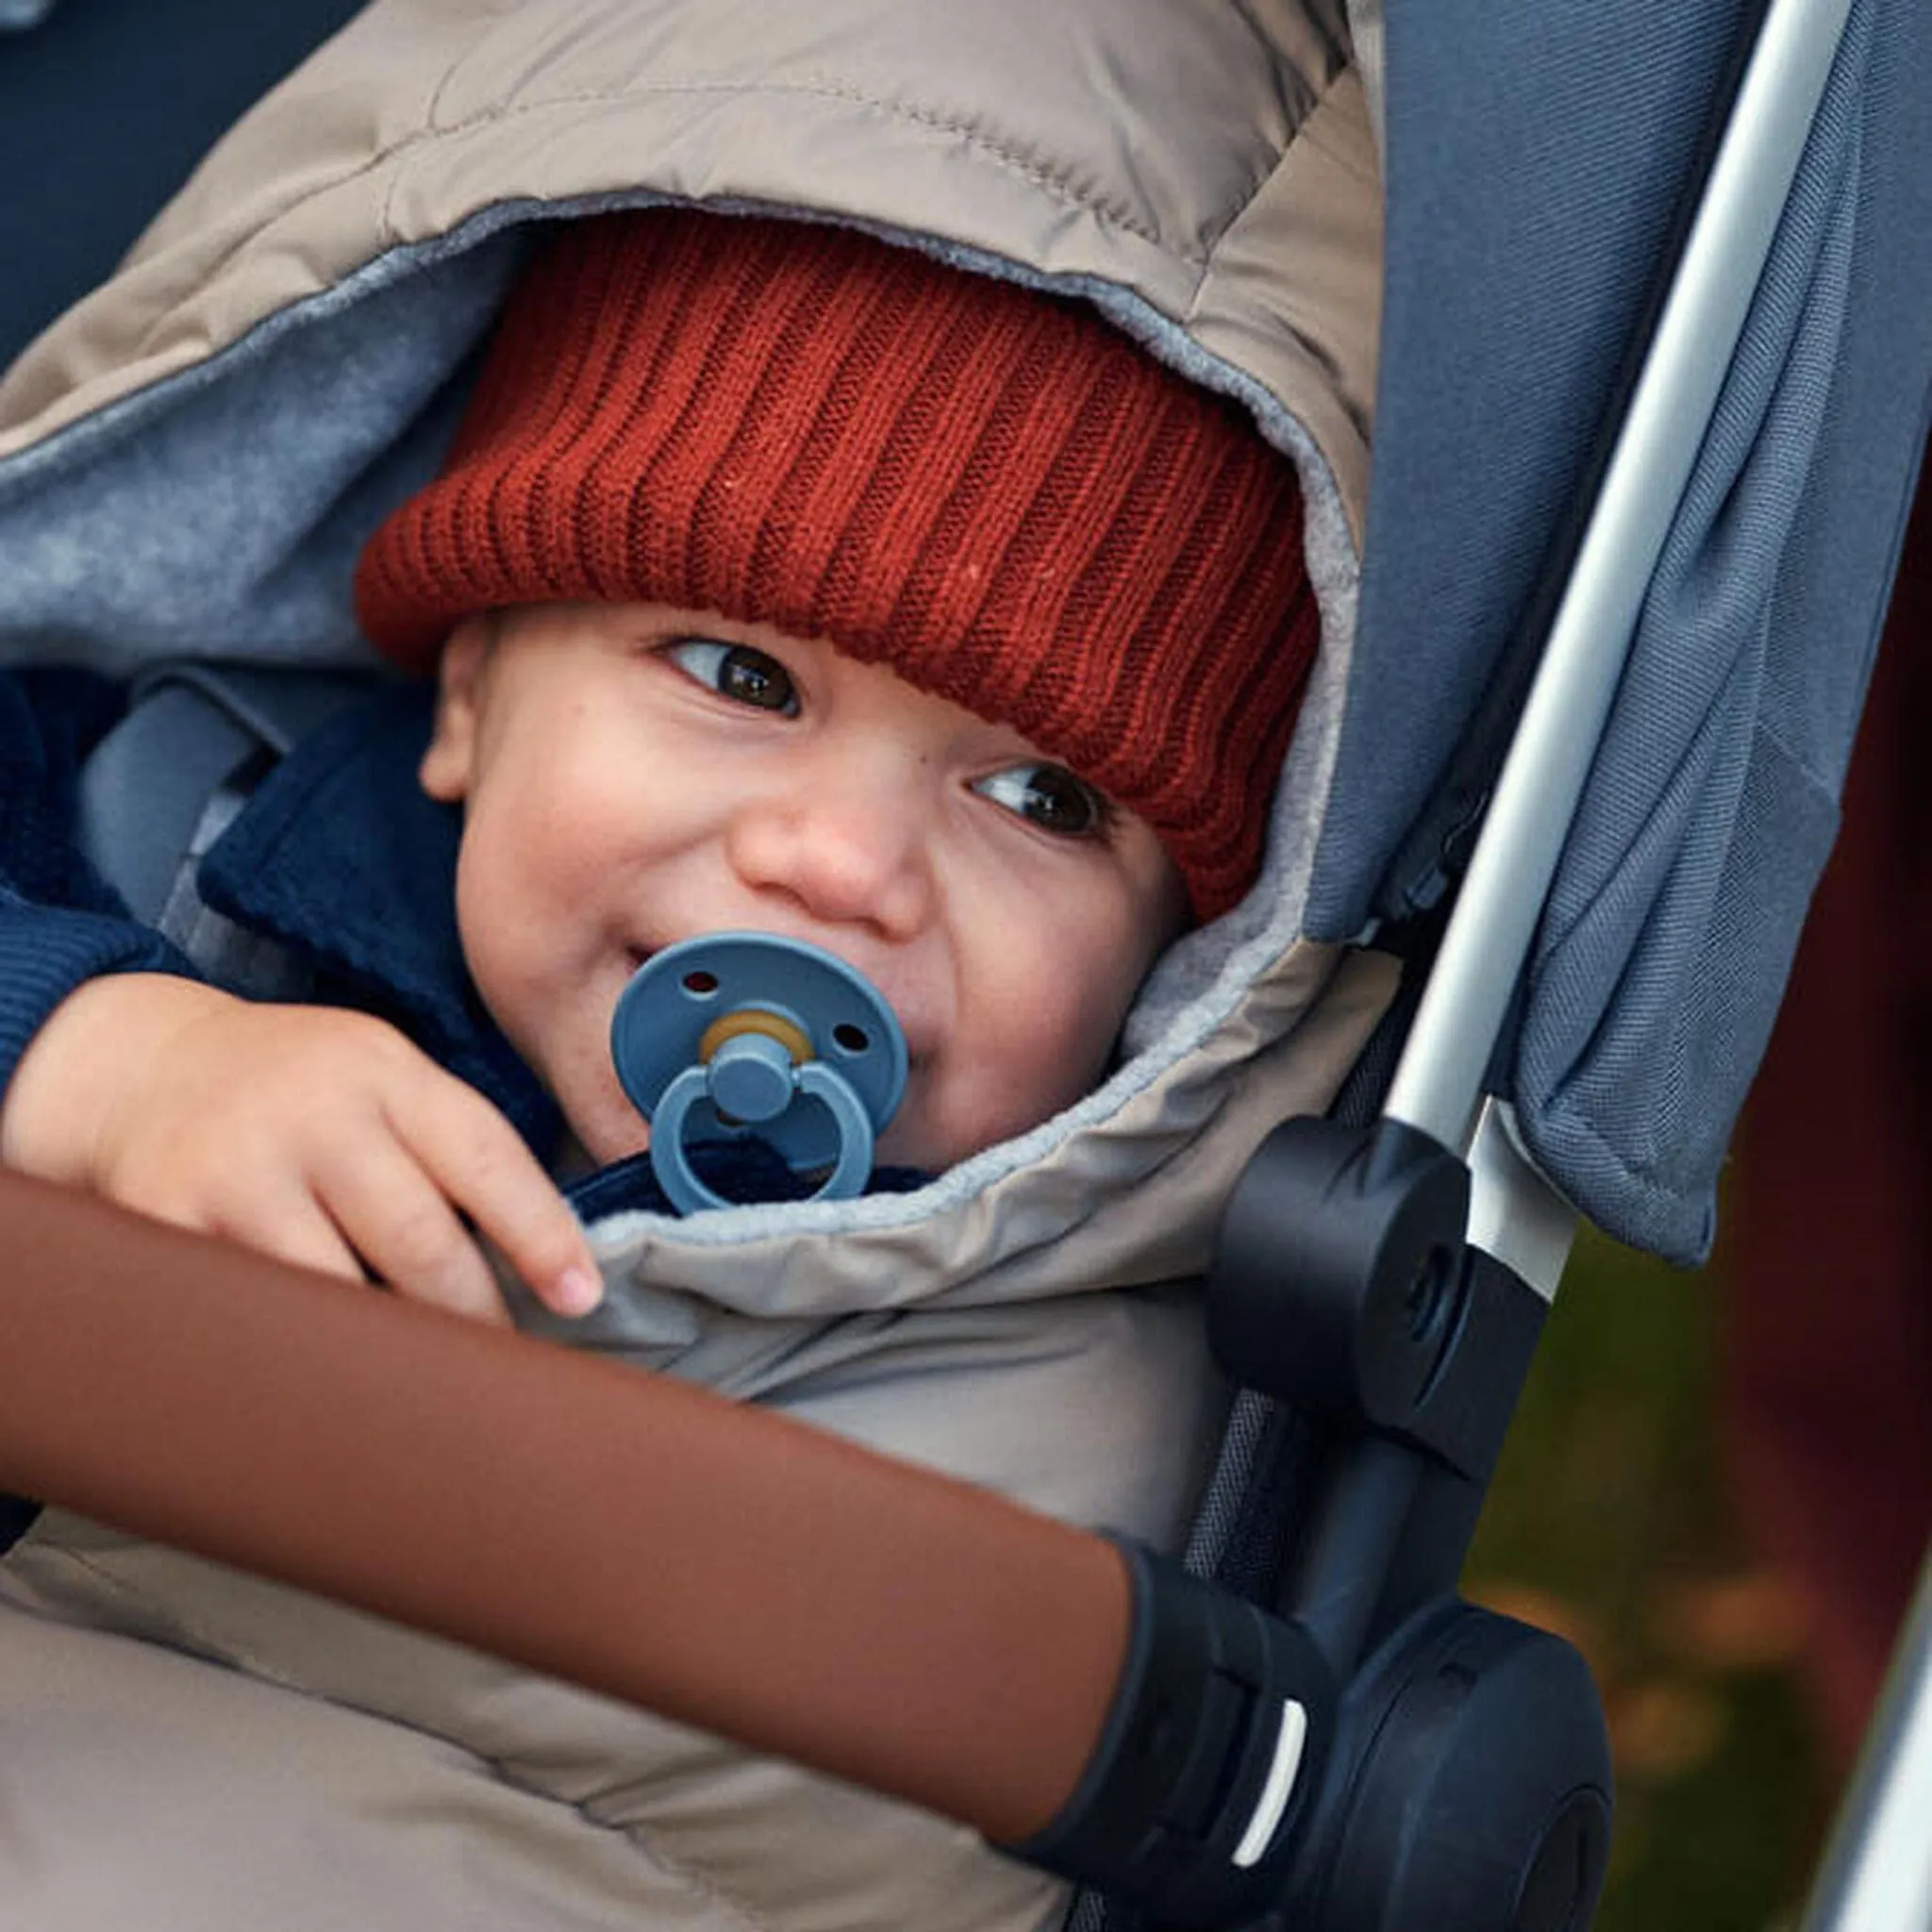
[{"x": 184, "y": 1747}]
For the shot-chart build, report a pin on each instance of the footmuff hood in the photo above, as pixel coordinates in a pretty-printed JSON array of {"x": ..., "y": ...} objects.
[{"x": 191, "y": 459}]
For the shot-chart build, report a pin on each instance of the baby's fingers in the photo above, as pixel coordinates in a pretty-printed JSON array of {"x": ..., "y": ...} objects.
[
  {"x": 407, "y": 1233},
  {"x": 480, "y": 1163},
  {"x": 289, "y": 1223}
]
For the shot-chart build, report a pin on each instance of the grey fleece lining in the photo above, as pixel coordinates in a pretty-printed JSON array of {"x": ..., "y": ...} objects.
[{"x": 219, "y": 514}]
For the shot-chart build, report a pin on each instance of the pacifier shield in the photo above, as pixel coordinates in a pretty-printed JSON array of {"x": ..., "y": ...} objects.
[{"x": 737, "y": 1019}]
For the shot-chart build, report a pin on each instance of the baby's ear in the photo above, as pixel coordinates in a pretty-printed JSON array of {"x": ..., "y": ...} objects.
[{"x": 448, "y": 765}]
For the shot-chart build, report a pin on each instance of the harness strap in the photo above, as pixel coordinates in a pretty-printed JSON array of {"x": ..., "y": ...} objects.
[{"x": 170, "y": 778}]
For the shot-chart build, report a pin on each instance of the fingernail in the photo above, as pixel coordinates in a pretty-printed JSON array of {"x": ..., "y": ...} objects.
[{"x": 578, "y": 1290}]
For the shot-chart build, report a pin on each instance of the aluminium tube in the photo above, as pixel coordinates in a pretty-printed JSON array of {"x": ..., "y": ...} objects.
[
  {"x": 1877, "y": 1874},
  {"x": 1437, "y": 1082},
  {"x": 726, "y": 1566}
]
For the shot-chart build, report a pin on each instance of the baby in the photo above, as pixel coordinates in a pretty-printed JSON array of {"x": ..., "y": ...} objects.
[{"x": 778, "y": 579}]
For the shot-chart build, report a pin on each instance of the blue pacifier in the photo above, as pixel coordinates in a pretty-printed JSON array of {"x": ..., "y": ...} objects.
[{"x": 744, "y": 1033}]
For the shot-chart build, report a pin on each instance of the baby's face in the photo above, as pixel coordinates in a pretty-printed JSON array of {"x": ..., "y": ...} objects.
[{"x": 632, "y": 776}]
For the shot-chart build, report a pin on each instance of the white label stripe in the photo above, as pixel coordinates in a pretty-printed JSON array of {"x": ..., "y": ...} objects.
[{"x": 1289, "y": 1744}]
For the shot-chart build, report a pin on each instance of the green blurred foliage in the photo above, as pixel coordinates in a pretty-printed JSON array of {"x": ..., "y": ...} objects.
[{"x": 1610, "y": 1519}]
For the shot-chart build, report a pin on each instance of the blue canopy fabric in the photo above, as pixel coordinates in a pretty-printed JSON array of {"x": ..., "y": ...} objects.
[{"x": 1539, "y": 156}]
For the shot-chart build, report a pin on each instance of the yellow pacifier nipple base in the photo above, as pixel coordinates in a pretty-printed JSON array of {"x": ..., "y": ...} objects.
[{"x": 743, "y": 1020}]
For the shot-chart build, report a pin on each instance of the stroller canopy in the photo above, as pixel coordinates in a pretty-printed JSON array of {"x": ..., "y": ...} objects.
[{"x": 1532, "y": 203}]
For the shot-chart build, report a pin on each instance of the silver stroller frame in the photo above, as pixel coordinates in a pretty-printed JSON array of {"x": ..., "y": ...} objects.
[{"x": 1877, "y": 1874}]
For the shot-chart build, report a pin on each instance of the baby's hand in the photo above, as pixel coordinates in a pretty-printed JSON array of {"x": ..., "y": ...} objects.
[{"x": 318, "y": 1136}]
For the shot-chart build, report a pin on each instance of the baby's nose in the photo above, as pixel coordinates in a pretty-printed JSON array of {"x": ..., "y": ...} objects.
[{"x": 852, "y": 848}]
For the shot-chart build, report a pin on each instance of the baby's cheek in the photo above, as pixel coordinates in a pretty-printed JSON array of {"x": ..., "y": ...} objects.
[
  {"x": 1036, "y": 1070},
  {"x": 1078, "y": 1032}
]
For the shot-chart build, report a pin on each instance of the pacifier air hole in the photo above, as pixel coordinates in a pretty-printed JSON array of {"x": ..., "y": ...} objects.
[
  {"x": 700, "y": 984},
  {"x": 853, "y": 1039}
]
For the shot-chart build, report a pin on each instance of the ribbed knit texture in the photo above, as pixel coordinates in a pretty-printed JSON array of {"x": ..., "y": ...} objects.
[
  {"x": 987, "y": 488},
  {"x": 46, "y": 951}
]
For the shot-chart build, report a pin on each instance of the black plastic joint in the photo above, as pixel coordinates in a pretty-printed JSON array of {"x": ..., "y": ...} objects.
[
  {"x": 1336, "y": 1274},
  {"x": 1216, "y": 1739}
]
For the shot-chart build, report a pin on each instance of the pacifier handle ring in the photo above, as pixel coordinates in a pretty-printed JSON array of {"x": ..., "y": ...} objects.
[
  {"x": 682, "y": 1188},
  {"x": 853, "y": 1169},
  {"x": 815, "y": 1081}
]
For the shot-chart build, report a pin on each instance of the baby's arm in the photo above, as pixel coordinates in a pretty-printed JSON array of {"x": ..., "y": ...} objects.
[{"x": 322, "y": 1136}]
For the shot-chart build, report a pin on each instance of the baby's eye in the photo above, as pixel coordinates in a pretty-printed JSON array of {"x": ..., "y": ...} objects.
[
  {"x": 1050, "y": 797},
  {"x": 738, "y": 671}
]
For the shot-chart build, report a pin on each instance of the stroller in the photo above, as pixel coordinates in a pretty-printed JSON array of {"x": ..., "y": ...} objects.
[{"x": 1367, "y": 1751}]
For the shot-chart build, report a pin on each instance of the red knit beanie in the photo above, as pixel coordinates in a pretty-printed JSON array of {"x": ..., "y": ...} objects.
[{"x": 987, "y": 488}]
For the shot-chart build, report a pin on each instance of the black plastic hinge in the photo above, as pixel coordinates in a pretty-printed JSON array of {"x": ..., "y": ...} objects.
[
  {"x": 1335, "y": 1274},
  {"x": 1342, "y": 1284}
]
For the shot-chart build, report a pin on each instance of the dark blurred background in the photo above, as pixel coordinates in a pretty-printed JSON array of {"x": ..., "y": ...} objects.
[{"x": 105, "y": 107}]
